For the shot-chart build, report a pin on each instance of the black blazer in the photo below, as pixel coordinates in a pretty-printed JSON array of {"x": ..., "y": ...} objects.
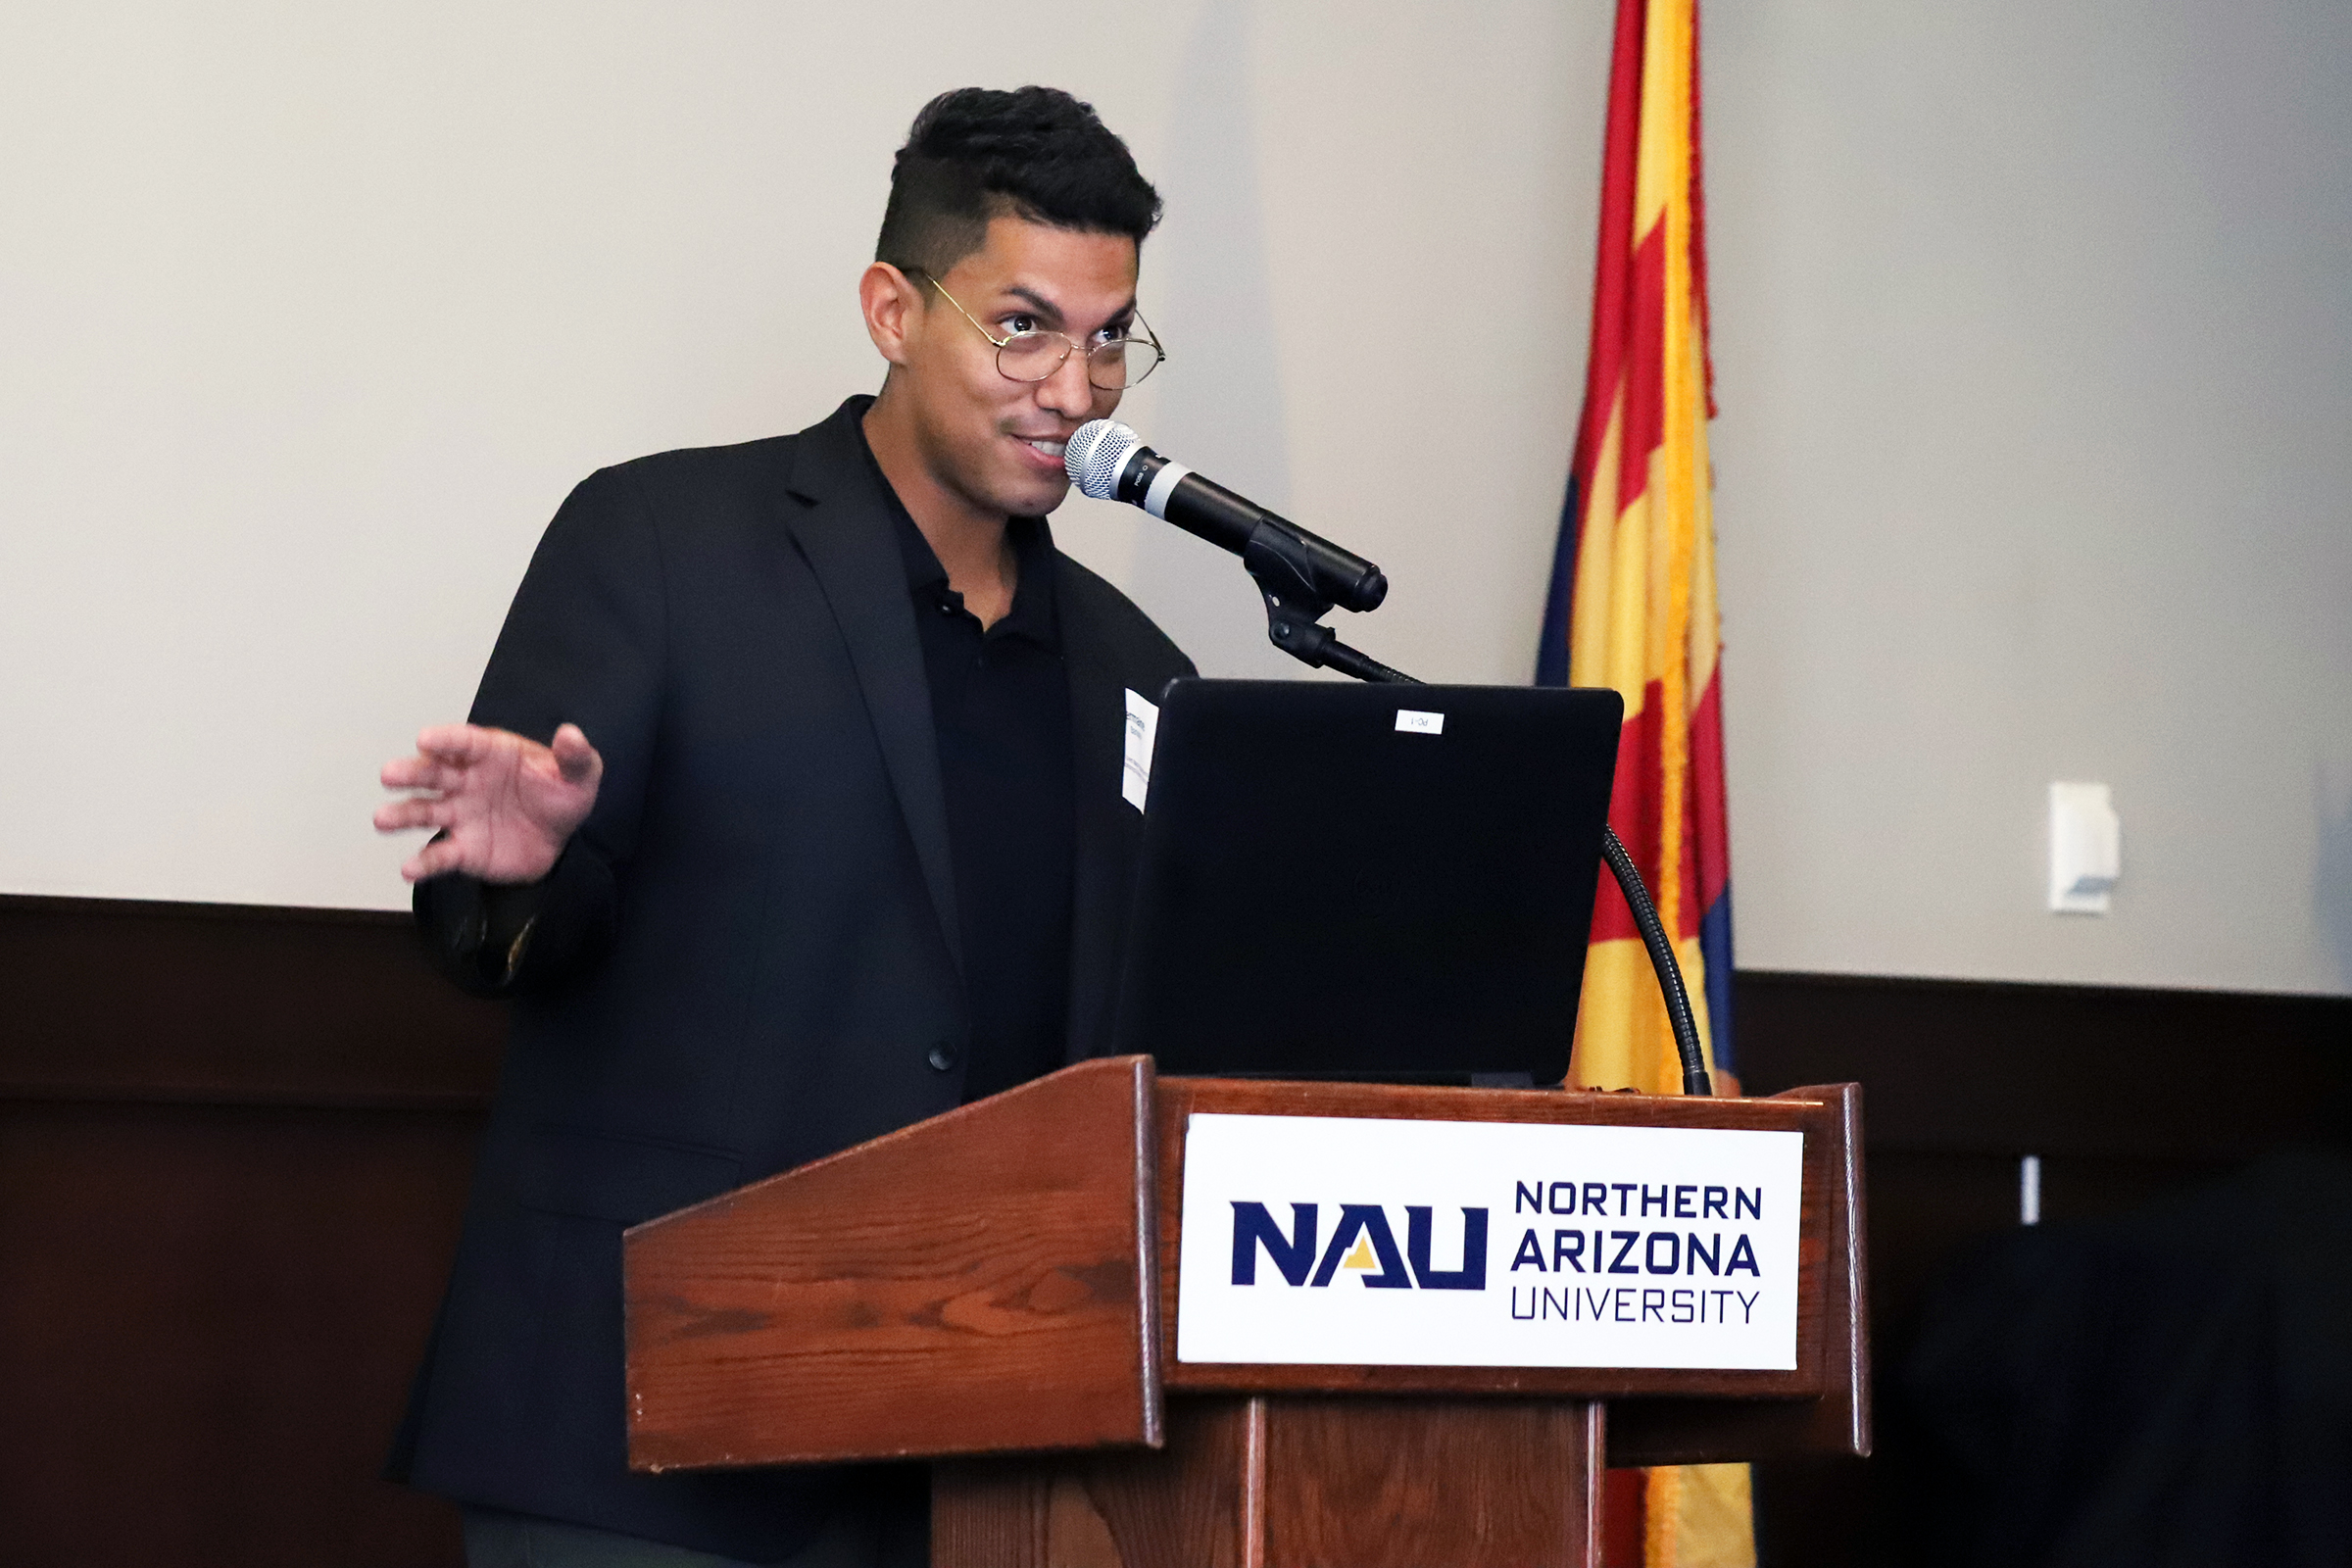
[{"x": 747, "y": 957}]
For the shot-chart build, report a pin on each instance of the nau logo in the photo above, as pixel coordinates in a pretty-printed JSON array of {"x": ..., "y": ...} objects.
[{"x": 1362, "y": 1241}]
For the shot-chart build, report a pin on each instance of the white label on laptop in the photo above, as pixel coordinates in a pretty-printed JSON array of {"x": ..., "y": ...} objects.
[
  {"x": 1332, "y": 1240},
  {"x": 1142, "y": 728},
  {"x": 1412, "y": 723}
]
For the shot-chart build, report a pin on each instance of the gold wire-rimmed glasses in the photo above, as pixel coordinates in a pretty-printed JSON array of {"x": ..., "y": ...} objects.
[{"x": 1036, "y": 353}]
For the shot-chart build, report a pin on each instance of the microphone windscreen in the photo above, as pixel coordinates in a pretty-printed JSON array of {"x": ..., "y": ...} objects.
[{"x": 1096, "y": 453}]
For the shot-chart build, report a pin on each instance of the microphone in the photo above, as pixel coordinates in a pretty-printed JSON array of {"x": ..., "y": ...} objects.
[{"x": 1110, "y": 461}]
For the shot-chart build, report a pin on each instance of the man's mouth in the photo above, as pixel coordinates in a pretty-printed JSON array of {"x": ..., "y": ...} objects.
[{"x": 1051, "y": 449}]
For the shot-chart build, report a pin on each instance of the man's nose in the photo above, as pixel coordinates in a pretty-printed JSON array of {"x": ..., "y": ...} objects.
[{"x": 1067, "y": 392}]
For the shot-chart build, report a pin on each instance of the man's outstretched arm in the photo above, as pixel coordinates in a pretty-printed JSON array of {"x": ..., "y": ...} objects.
[{"x": 517, "y": 889}]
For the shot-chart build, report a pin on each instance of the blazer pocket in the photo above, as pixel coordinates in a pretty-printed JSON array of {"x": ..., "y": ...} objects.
[{"x": 610, "y": 1176}]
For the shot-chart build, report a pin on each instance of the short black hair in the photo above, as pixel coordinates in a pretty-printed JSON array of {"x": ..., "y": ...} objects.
[{"x": 1035, "y": 153}]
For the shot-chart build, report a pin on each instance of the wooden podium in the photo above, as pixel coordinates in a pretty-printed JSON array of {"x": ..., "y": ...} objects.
[{"x": 996, "y": 1288}]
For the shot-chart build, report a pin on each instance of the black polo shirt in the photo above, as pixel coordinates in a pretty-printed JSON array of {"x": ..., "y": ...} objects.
[{"x": 1000, "y": 705}]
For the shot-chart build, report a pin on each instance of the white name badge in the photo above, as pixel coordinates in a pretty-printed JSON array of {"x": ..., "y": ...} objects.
[
  {"x": 1143, "y": 731},
  {"x": 1334, "y": 1241}
]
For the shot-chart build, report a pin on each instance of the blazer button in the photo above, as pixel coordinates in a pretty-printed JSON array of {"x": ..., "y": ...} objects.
[{"x": 942, "y": 1057}]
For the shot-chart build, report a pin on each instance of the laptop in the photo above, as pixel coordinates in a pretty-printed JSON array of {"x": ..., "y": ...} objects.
[{"x": 1378, "y": 883}]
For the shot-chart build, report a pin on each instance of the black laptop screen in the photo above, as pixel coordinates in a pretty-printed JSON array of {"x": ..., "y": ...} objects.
[{"x": 1378, "y": 882}]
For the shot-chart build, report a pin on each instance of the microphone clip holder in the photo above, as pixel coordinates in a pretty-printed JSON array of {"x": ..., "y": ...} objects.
[{"x": 1282, "y": 566}]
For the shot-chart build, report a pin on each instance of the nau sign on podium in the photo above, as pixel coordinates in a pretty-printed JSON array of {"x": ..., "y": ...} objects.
[{"x": 1146, "y": 1321}]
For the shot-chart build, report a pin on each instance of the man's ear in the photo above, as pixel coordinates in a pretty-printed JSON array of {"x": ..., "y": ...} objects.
[{"x": 892, "y": 309}]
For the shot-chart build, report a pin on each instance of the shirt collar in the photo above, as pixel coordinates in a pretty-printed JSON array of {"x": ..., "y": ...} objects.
[{"x": 1032, "y": 614}]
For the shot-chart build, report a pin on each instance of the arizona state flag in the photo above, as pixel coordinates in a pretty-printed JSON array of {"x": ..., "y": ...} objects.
[
  {"x": 1633, "y": 607},
  {"x": 1632, "y": 584}
]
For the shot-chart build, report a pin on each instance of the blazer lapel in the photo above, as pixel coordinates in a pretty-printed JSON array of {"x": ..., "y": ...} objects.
[
  {"x": 1108, "y": 830},
  {"x": 846, "y": 537}
]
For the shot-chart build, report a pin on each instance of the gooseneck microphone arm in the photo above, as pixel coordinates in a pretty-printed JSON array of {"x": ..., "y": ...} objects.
[
  {"x": 1302, "y": 578},
  {"x": 1661, "y": 958}
]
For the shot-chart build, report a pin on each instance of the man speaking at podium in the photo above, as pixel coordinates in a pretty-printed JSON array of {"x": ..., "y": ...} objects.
[{"x": 788, "y": 813}]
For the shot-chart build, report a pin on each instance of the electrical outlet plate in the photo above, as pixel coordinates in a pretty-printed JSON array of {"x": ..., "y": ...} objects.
[{"x": 2087, "y": 848}]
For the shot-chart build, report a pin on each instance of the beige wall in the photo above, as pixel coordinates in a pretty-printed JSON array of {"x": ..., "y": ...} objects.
[
  {"x": 2033, "y": 339},
  {"x": 313, "y": 313}
]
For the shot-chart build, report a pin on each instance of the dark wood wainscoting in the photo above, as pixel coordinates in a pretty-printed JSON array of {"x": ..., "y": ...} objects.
[
  {"x": 234, "y": 1143},
  {"x": 2125, "y": 1095}
]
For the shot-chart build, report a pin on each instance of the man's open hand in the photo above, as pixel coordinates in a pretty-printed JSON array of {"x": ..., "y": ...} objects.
[{"x": 505, "y": 805}]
